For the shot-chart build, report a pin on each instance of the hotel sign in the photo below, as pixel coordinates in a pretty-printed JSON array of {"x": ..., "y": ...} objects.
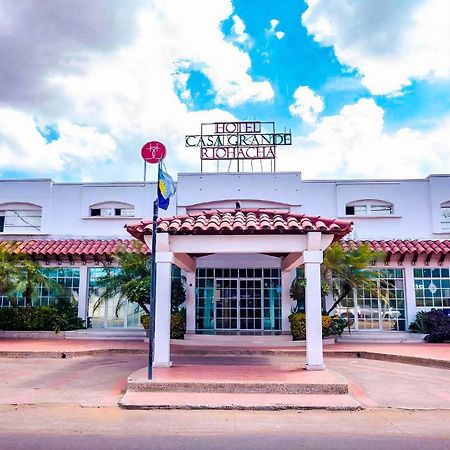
[{"x": 238, "y": 140}]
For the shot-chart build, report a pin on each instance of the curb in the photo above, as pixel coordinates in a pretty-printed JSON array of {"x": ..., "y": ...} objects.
[
  {"x": 240, "y": 408},
  {"x": 412, "y": 360},
  {"x": 70, "y": 354}
]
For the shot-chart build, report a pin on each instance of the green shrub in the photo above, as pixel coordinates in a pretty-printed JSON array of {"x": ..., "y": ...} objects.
[
  {"x": 145, "y": 321},
  {"x": 435, "y": 324},
  {"x": 420, "y": 325},
  {"x": 178, "y": 324},
  {"x": 330, "y": 326},
  {"x": 338, "y": 325},
  {"x": 63, "y": 316},
  {"x": 298, "y": 326}
]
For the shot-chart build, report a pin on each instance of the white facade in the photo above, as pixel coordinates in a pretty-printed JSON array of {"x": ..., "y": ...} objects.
[
  {"x": 65, "y": 206},
  {"x": 380, "y": 210}
]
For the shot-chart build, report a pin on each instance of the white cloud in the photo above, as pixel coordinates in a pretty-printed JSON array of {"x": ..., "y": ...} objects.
[
  {"x": 78, "y": 149},
  {"x": 307, "y": 104},
  {"x": 388, "y": 42},
  {"x": 238, "y": 30},
  {"x": 123, "y": 92},
  {"x": 273, "y": 25},
  {"x": 354, "y": 143}
]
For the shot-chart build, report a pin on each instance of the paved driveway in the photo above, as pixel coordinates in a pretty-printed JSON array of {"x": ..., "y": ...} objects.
[
  {"x": 100, "y": 380},
  {"x": 87, "y": 381}
]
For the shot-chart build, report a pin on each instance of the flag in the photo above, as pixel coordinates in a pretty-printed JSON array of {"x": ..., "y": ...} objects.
[{"x": 166, "y": 188}]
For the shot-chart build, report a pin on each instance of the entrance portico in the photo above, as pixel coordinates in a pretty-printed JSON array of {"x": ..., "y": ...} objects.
[{"x": 237, "y": 300}]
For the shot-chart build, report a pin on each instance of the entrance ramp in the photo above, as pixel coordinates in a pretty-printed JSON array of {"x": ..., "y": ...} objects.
[
  {"x": 243, "y": 340},
  {"x": 381, "y": 337},
  {"x": 120, "y": 334},
  {"x": 262, "y": 387}
]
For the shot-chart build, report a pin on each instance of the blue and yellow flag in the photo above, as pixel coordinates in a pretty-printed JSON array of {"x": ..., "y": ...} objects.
[{"x": 166, "y": 188}]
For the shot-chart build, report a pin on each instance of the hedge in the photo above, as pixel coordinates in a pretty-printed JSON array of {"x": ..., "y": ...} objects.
[{"x": 62, "y": 316}]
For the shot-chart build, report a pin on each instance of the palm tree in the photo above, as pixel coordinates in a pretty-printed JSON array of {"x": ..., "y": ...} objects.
[
  {"x": 9, "y": 271},
  {"x": 131, "y": 282},
  {"x": 19, "y": 275},
  {"x": 346, "y": 270}
]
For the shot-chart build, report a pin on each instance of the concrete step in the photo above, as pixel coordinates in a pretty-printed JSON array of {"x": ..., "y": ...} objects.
[
  {"x": 238, "y": 401},
  {"x": 254, "y": 387},
  {"x": 233, "y": 387}
]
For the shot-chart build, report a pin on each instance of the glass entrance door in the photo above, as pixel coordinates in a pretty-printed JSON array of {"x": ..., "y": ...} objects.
[
  {"x": 226, "y": 302},
  {"x": 238, "y": 304},
  {"x": 250, "y": 304}
]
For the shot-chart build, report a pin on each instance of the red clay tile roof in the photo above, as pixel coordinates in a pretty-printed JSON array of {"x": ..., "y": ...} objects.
[
  {"x": 82, "y": 248},
  {"x": 101, "y": 248},
  {"x": 404, "y": 247},
  {"x": 245, "y": 221}
]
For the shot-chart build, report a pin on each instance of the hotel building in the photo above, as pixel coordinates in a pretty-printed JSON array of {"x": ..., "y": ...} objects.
[{"x": 238, "y": 240}]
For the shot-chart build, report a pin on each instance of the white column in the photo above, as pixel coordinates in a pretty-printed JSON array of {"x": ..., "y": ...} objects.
[
  {"x": 410, "y": 294},
  {"x": 190, "y": 302},
  {"x": 286, "y": 302},
  {"x": 162, "y": 312},
  {"x": 83, "y": 293},
  {"x": 313, "y": 310}
]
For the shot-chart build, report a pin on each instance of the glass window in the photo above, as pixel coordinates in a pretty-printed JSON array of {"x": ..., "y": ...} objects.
[
  {"x": 432, "y": 288},
  {"x": 107, "y": 314},
  {"x": 67, "y": 277},
  {"x": 360, "y": 210},
  {"x": 365, "y": 208},
  {"x": 112, "y": 209},
  {"x": 445, "y": 216},
  {"x": 380, "y": 308},
  {"x": 20, "y": 217},
  {"x": 381, "y": 210}
]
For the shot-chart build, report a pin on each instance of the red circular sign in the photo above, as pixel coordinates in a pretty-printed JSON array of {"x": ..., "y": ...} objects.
[{"x": 153, "y": 152}]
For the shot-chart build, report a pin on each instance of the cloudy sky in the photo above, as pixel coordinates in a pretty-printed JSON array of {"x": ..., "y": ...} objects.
[{"x": 364, "y": 85}]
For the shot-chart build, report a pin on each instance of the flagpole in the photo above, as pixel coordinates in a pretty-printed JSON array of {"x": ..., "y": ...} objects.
[{"x": 151, "y": 330}]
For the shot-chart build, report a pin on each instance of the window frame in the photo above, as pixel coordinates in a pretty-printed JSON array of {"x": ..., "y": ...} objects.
[
  {"x": 26, "y": 226},
  {"x": 111, "y": 210},
  {"x": 370, "y": 206},
  {"x": 444, "y": 222}
]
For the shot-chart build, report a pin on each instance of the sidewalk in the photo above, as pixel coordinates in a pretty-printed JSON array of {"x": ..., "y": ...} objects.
[
  {"x": 435, "y": 355},
  {"x": 62, "y": 348},
  {"x": 215, "y": 378}
]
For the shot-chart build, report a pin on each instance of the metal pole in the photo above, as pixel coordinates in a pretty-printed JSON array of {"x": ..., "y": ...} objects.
[{"x": 151, "y": 330}]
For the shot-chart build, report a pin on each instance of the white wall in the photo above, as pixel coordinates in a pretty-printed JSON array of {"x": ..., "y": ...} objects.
[
  {"x": 194, "y": 188},
  {"x": 65, "y": 206},
  {"x": 238, "y": 261},
  {"x": 38, "y": 192}
]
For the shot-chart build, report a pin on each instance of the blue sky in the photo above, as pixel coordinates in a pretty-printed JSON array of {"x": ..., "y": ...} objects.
[{"x": 363, "y": 87}]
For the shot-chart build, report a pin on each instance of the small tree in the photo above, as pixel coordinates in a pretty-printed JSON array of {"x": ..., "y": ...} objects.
[
  {"x": 178, "y": 295},
  {"x": 345, "y": 270},
  {"x": 9, "y": 271},
  {"x": 131, "y": 282},
  {"x": 297, "y": 291},
  {"x": 341, "y": 272}
]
